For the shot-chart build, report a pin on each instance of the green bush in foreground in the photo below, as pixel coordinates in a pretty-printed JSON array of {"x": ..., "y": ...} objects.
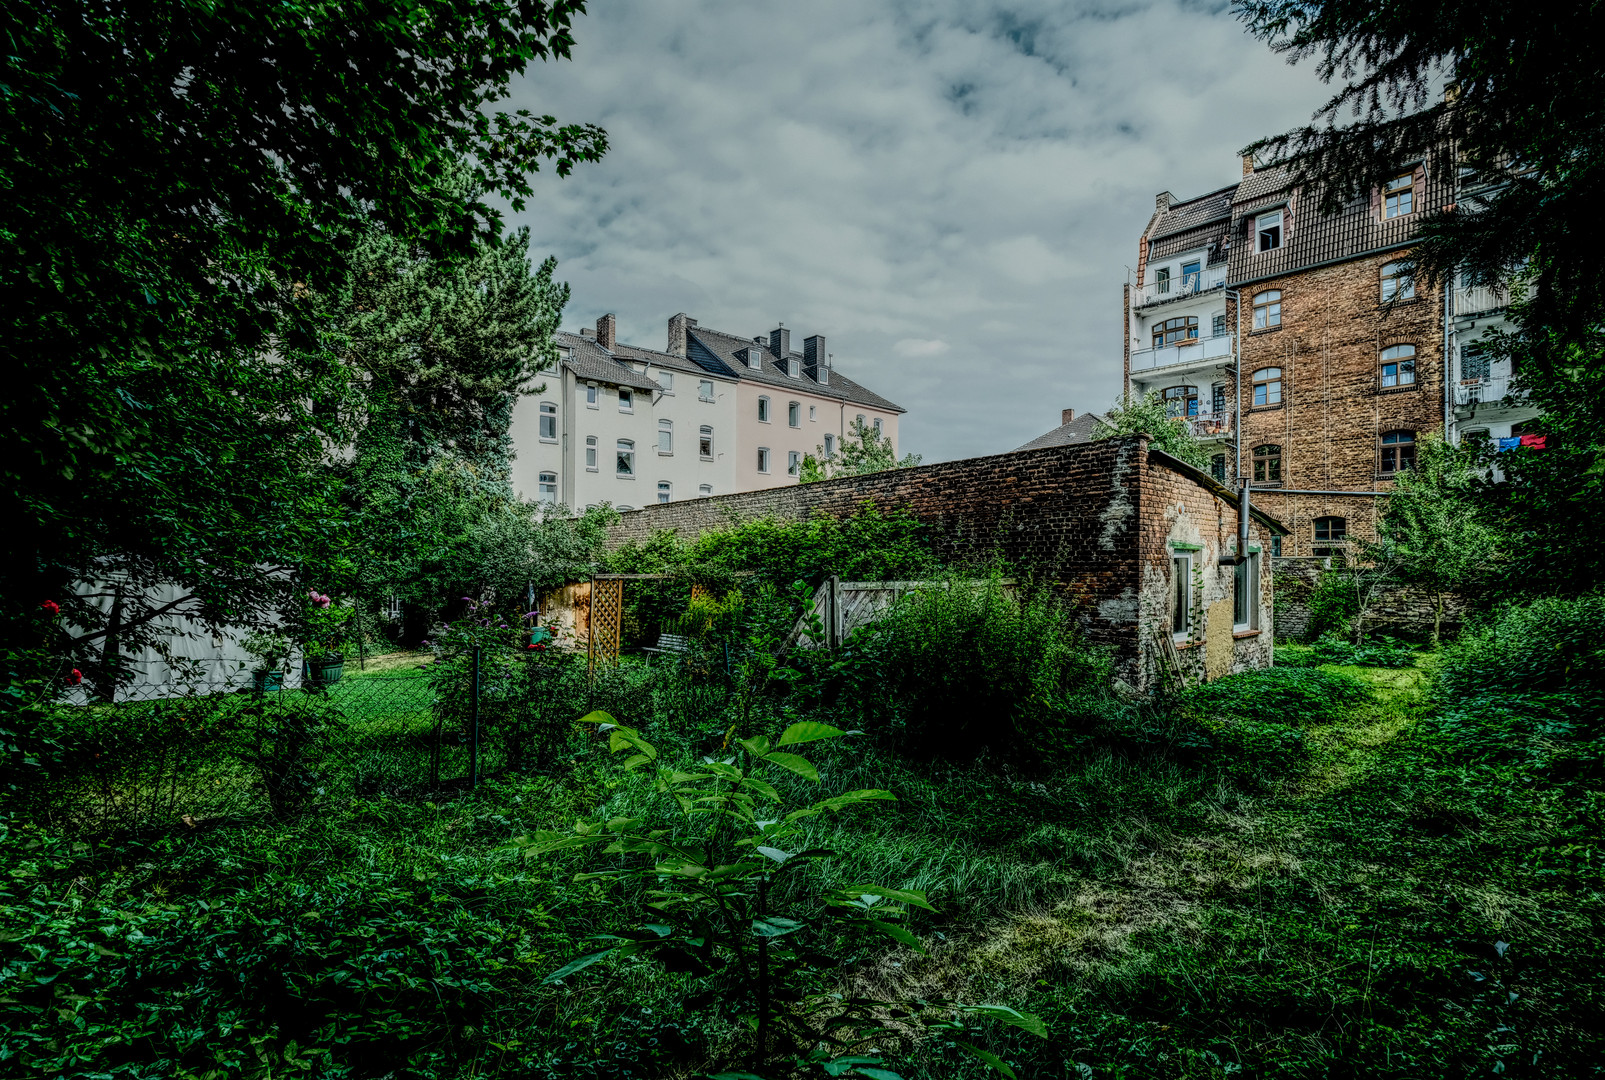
[{"x": 1545, "y": 646}]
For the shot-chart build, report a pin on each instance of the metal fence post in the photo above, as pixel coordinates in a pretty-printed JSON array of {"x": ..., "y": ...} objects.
[{"x": 473, "y": 752}]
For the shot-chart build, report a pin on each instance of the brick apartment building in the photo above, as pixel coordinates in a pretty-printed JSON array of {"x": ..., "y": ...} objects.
[
  {"x": 711, "y": 414},
  {"x": 1296, "y": 344}
]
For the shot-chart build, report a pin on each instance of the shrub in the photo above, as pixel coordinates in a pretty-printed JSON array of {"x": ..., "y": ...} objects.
[
  {"x": 1280, "y": 695},
  {"x": 1544, "y": 646},
  {"x": 1334, "y": 603},
  {"x": 1382, "y": 652}
]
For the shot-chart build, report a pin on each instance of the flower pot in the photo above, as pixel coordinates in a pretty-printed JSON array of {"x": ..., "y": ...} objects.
[
  {"x": 323, "y": 672},
  {"x": 267, "y": 681}
]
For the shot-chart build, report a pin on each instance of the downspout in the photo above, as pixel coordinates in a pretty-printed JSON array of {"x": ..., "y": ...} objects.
[{"x": 1242, "y": 528}]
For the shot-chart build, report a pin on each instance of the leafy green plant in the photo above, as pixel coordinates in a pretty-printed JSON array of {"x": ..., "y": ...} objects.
[
  {"x": 1334, "y": 605},
  {"x": 271, "y": 650},
  {"x": 285, "y": 739},
  {"x": 722, "y": 904},
  {"x": 1301, "y": 696},
  {"x": 1150, "y": 415},
  {"x": 1380, "y": 651},
  {"x": 1547, "y": 645}
]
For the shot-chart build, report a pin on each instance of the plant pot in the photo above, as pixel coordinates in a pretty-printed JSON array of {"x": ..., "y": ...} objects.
[
  {"x": 267, "y": 681},
  {"x": 323, "y": 672}
]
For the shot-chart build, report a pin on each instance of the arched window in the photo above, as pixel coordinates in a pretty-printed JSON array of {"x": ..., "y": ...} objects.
[
  {"x": 1268, "y": 386},
  {"x": 624, "y": 464},
  {"x": 763, "y": 410},
  {"x": 1399, "y": 366},
  {"x": 665, "y": 436},
  {"x": 1398, "y": 452},
  {"x": 763, "y": 459},
  {"x": 1181, "y": 401},
  {"x": 590, "y": 453},
  {"x": 1267, "y": 464},
  {"x": 705, "y": 490},
  {"x": 1267, "y": 309},
  {"x": 548, "y": 421},
  {"x": 830, "y": 446},
  {"x": 705, "y": 443},
  {"x": 665, "y": 491},
  {"x": 548, "y": 488},
  {"x": 1397, "y": 282},
  {"x": 1171, "y": 331},
  {"x": 794, "y": 414}
]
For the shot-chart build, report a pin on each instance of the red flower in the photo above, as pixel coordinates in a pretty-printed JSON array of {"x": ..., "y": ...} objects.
[
  {"x": 52, "y": 607},
  {"x": 541, "y": 645},
  {"x": 531, "y": 646},
  {"x": 74, "y": 677}
]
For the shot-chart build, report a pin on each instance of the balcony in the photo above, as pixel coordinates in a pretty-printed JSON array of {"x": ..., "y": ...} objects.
[
  {"x": 1162, "y": 292},
  {"x": 1210, "y": 426},
  {"x": 1477, "y": 300},
  {"x": 1489, "y": 391},
  {"x": 1200, "y": 350}
]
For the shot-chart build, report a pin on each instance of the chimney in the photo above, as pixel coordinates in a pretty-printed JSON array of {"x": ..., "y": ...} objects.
[
  {"x": 678, "y": 338},
  {"x": 1065, "y": 416},
  {"x": 1164, "y": 201},
  {"x": 607, "y": 331},
  {"x": 1248, "y": 164},
  {"x": 813, "y": 355},
  {"x": 780, "y": 342},
  {"x": 587, "y": 332}
]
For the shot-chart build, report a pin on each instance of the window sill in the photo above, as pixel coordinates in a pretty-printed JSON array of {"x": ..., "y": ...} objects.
[
  {"x": 627, "y": 412},
  {"x": 1399, "y": 389},
  {"x": 591, "y": 468},
  {"x": 1390, "y": 476},
  {"x": 1264, "y": 485},
  {"x": 593, "y": 408},
  {"x": 1183, "y": 644},
  {"x": 548, "y": 442},
  {"x": 1239, "y": 635},
  {"x": 1408, "y": 301},
  {"x": 1265, "y": 330},
  {"x": 624, "y": 476},
  {"x": 1252, "y": 409}
]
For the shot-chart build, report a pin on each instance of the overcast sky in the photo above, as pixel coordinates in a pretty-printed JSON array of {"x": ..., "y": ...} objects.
[{"x": 950, "y": 192}]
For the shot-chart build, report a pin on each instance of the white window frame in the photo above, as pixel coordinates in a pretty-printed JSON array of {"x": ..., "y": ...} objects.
[
  {"x": 665, "y": 438},
  {"x": 592, "y": 454},
  {"x": 548, "y": 421},
  {"x": 705, "y": 490},
  {"x": 593, "y": 395},
  {"x": 666, "y": 381},
  {"x": 705, "y": 390},
  {"x": 626, "y": 400},
  {"x": 813, "y": 413},
  {"x": 1182, "y": 600},
  {"x": 547, "y": 487},
  {"x": 1270, "y": 231},
  {"x": 1246, "y": 574},
  {"x": 763, "y": 409},
  {"x": 794, "y": 414},
  {"x": 705, "y": 442},
  {"x": 880, "y": 426},
  {"x": 830, "y": 445},
  {"x": 665, "y": 491},
  {"x": 763, "y": 459},
  {"x": 624, "y": 454},
  {"x": 793, "y": 462}
]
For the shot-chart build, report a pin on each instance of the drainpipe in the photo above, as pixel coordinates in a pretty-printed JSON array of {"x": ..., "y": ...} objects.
[{"x": 1242, "y": 528}]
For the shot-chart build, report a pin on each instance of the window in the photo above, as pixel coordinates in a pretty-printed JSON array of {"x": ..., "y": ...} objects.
[
  {"x": 1268, "y": 309},
  {"x": 548, "y": 422},
  {"x": 590, "y": 453},
  {"x": 1268, "y": 386},
  {"x": 1331, "y": 530},
  {"x": 1181, "y": 401},
  {"x": 590, "y": 395},
  {"x": 813, "y": 412},
  {"x": 1270, "y": 231},
  {"x": 1479, "y": 437},
  {"x": 705, "y": 489},
  {"x": 1245, "y": 594},
  {"x": 860, "y": 421},
  {"x": 1397, "y": 282},
  {"x": 793, "y": 462},
  {"x": 1276, "y": 546},
  {"x": 665, "y": 491},
  {"x": 666, "y": 381},
  {"x": 1474, "y": 365},
  {"x": 1398, "y": 196},
  {"x": 665, "y": 436},
  {"x": 755, "y": 356},
  {"x": 626, "y": 400},
  {"x": 794, "y": 367},
  {"x": 548, "y": 487},
  {"x": 1162, "y": 280},
  {"x": 1181, "y": 595},
  {"x": 763, "y": 410},
  {"x": 1217, "y": 399},
  {"x": 1218, "y": 326},
  {"x": 1398, "y": 452},
  {"x": 830, "y": 446},
  {"x": 1399, "y": 366},
  {"x": 625, "y": 462},
  {"x": 879, "y": 426},
  {"x": 1171, "y": 331},
  {"x": 705, "y": 390},
  {"x": 1267, "y": 464},
  {"x": 1217, "y": 467},
  {"x": 763, "y": 459},
  {"x": 705, "y": 443},
  {"x": 794, "y": 414},
  {"x": 1190, "y": 277}
]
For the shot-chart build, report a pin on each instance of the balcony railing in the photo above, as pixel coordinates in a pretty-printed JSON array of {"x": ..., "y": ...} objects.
[
  {"x": 1489, "y": 391},
  {"x": 1187, "y": 352},
  {"x": 1176, "y": 288},
  {"x": 1216, "y": 426},
  {"x": 1474, "y": 300}
]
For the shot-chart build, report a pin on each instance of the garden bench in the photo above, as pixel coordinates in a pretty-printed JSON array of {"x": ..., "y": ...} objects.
[{"x": 669, "y": 643}]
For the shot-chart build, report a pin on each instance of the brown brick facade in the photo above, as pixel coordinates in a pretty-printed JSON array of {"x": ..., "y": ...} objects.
[
  {"x": 1335, "y": 410},
  {"x": 1094, "y": 519}
]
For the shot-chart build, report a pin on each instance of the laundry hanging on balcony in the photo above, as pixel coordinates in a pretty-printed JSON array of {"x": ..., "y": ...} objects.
[
  {"x": 1509, "y": 444},
  {"x": 1533, "y": 442}
]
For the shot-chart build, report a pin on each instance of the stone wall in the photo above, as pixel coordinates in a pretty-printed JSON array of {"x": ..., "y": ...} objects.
[{"x": 1399, "y": 610}]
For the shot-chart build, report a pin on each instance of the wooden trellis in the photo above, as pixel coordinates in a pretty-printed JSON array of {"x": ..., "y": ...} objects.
[{"x": 607, "y": 620}]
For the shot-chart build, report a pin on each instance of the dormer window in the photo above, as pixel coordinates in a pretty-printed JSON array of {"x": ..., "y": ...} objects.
[
  {"x": 755, "y": 357},
  {"x": 794, "y": 367},
  {"x": 1270, "y": 231},
  {"x": 1398, "y": 197}
]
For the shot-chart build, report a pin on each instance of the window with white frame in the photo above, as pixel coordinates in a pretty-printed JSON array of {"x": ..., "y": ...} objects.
[
  {"x": 755, "y": 356},
  {"x": 666, "y": 381},
  {"x": 1181, "y": 594},
  {"x": 1269, "y": 228},
  {"x": 763, "y": 410},
  {"x": 1399, "y": 366},
  {"x": 1162, "y": 280},
  {"x": 794, "y": 414},
  {"x": 830, "y": 445},
  {"x": 705, "y": 442},
  {"x": 626, "y": 400},
  {"x": 590, "y": 453},
  {"x": 1397, "y": 281},
  {"x": 1398, "y": 197},
  {"x": 860, "y": 421},
  {"x": 705, "y": 489},
  {"x": 1245, "y": 594},
  {"x": 591, "y": 393},
  {"x": 665, "y": 436},
  {"x": 548, "y": 422},
  {"x": 624, "y": 464},
  {"x": 793, "y": 462},
  {"x": 665, "y": 491},
  {"x": 879, "y": 425},
  {"x": 1218, "y": 326},
  {"x": 705, "y": 390},
  {"x": 813, "y": 412},
  {"x": 794, "y": 367},
  {"x": 1267, "y": 309},
  {"x": 763, "y": 459},
  {"x": 548, "y": 487}
]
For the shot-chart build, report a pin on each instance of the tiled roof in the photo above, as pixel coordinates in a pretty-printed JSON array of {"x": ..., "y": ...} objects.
[
  {"x": 667, "y": 361},
  {"x": 1217, "y": 205},
  {"x": 589, "y": 361},
  {"x": 716, "y": 351},
  {"x": 1079, "y": 430}
]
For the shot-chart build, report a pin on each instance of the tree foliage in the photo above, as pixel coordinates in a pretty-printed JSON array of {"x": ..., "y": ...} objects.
[
  {"x": 863, "y": 450},
  {"x": 1148, "y": 415}
]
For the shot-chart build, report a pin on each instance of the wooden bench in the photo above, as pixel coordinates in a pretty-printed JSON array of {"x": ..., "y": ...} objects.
[{"x": 669, "y": 644}]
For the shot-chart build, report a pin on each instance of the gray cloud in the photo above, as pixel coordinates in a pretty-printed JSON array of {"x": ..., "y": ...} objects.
[{"x": 951, "y": 192}]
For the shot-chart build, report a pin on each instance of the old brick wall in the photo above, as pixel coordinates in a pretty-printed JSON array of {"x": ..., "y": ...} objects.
[
  {"x": 1400, "y": 610},
  {"x": 1076, "y": 516},
  {"x": 1334, "y": 408}
]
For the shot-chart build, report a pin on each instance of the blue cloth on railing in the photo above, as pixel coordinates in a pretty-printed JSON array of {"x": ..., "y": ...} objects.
[{"x": 1509, "y": 444}]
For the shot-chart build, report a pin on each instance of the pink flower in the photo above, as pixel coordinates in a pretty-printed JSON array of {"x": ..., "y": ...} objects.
[
  {"x": 52, "y": 607},
  {"x": 74, "y": 677}
]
